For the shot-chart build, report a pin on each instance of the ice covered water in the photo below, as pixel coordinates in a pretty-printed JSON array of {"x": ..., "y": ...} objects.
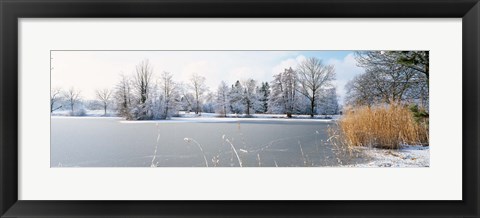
[{"x": 113, "y": 142}]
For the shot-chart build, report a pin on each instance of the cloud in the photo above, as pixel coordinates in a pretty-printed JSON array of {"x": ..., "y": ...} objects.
[
  {"x": 346, "y": 69},
  {"x": 285, "y": 64},
  {"x": 240, "y": 73},
  {"x": 204, "y": 68},
  {"x": 88, "y": 71}
]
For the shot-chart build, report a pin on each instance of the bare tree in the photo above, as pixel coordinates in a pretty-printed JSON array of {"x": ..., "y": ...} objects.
[
  {"x": 55, "y": 96},
  {"x": 361, "y": 91},
  {"x": 104, "y": 96},
  {"x": 313, "y": 76},
  {"x": 391, "y": 76},
  {"x": 198, "y": 86},
  {"x": 415, "y": 60},
  {"x": 142, "y": 82},
  {"x": 73, "y": 97}
]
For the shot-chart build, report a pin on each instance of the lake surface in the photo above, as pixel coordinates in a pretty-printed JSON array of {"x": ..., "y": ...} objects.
[{"x": 114, "y": 142}]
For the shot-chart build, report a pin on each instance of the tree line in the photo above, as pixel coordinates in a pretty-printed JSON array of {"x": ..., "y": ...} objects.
[{"x": 305, "y": 89}]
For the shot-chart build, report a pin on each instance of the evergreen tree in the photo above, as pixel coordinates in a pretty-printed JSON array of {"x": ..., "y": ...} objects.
[
  {"x": 236, "y": 98},
  {"x": 263, "y": 93},
  {"x": 250, "y": 96}
]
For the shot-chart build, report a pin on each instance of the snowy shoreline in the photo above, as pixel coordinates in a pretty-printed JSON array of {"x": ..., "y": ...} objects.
[
  {"x": 406, "y": 156},
  {"x": 206, "y": 117}
]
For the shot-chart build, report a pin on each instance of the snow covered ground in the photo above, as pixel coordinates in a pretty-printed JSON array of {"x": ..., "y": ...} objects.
[
  {"x": 406, "y": 156},
  {"x": 98, "y": 113},
  {"x": 208, "y": 117},
  {"x": 265, "y": 116},
  {"x": 213, "y": 119}
]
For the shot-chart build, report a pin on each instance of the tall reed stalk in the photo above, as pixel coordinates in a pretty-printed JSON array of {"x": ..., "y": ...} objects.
[
  {"x": 153, "y": 164},
  {"x": 234, "y": 150},
  {"x": 199, "y": 147}
]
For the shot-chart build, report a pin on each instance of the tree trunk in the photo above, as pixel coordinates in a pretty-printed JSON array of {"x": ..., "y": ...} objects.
[
  {"x": 289, "y": 115},
  {"x": 197, "y": 109},
  {"x": 105, "y": 109},
  {"x": 166, "y": 110},
  {"x": 312, "y": 107}
]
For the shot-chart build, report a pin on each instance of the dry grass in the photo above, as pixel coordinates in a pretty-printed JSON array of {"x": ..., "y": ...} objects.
[{"x": 380, "y": 126}]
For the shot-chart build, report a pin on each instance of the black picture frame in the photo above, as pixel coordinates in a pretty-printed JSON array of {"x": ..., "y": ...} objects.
[{"x": 12, "y": 10}]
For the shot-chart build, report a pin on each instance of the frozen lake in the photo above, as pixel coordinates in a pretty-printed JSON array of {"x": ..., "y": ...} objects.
[{"x": 113, "y": 142}]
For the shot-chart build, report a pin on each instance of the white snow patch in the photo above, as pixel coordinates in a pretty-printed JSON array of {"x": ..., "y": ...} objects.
[{"x": 406, "y": 156}]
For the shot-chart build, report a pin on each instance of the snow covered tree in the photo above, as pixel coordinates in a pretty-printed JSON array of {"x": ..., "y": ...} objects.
[
  {"x": 289, "y": 79},
  {"x": 328, "y": 103},
  {"x": 249, "y": 95},
  {"x": 142, "y": 83},
  {"x": 167, "y": 97},
  {"x": 104, "y": 96},
  {"x": 223, "y": 99},
  {"x": 123, "y": 97},
  {"x": 284, "y": 92},
  {"x": 313, "y": 76},
  {"x": 198, "y": 86},
  {"x": 55, "y": 98},
  {"x": 263, "y": 93},
  {"x": 209, "y": 103},
  {"x": 236, "y": 98},
  {"x": 72, "y": 96},
  {"x": 302, "y": 105},
  {"x": 276, "y": 103},
  {"x": 186, "y": 98}
]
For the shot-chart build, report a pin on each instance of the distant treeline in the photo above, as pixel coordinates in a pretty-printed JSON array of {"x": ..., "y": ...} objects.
[
  {"x": 389, "y": 77},
  {"x": 143, "y": 95}
]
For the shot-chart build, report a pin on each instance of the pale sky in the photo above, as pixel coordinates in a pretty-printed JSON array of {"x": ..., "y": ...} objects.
[{"x": 88, "y": 71}]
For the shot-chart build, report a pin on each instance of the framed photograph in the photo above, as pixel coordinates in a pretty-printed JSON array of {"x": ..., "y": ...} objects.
[{"x": 226, "y": 108}]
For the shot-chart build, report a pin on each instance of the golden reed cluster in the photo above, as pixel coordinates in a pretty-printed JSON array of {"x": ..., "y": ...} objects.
[{"x": 387, "y": 126}]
